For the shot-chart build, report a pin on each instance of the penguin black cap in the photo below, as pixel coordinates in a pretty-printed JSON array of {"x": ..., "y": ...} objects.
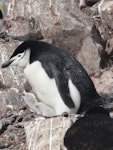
[{"x": 91, "y": 132}]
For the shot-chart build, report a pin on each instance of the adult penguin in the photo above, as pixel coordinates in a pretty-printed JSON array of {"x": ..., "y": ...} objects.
[
  {"x": 56, "y": 77},
  {"x": 94, "y": 131}
]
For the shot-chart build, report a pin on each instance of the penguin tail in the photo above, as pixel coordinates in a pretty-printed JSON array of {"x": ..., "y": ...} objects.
[
  {"x": 98, "y": 101},
  {"x": 107, "y": 103}
]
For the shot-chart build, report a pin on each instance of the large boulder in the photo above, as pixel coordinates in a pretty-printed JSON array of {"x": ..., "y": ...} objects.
[
  {"x": 48, "y": 133},
  {"x": 105, "y": 9},
  {"x": 60, "y": 22}
]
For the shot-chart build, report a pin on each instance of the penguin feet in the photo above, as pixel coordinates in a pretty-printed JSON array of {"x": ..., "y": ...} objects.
[{"x": 65, "y": 114}]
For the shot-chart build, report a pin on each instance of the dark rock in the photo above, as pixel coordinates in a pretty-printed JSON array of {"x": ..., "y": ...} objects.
[
  {"x": 3, "y": 125},
  {"x": 27, "y": 87},
  {"x": 91, "y": 2},
  {"x": 3, "y": 105},
  {"x": 107, "y": 55},
  {"x": 4, "y": 144},
  {"x": 2, "y": 86},
  {"x": 84, "y": 3},
  {"x": 105, "y": 9}
]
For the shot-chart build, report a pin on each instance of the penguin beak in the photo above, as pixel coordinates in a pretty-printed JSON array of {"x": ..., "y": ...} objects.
[{"x": 7, "y": 63}]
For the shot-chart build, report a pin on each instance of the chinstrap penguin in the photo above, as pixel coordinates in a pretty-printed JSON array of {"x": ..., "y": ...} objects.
[
  {"x": 94, "y": 131},
  {"x": 56, "y": 77}
]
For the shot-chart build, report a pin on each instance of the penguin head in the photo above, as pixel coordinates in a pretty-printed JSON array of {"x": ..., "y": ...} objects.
[{"x": 20, "y": 57}]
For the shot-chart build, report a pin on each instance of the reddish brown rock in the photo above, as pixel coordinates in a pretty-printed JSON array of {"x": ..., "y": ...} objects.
[
  {"x": 62, "y": 22},
  {"x": 46, "y": 133},
  {"x": 105, "y": 9}
]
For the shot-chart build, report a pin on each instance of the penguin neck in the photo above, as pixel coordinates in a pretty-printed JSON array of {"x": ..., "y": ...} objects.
[{"x": 25, "y": 61}]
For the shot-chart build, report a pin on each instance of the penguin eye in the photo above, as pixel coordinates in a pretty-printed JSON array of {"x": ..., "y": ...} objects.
[{"x": 19, "y": 55}]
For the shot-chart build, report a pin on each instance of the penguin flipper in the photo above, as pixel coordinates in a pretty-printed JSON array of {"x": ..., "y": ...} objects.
[{"x": 61, "y": 81}]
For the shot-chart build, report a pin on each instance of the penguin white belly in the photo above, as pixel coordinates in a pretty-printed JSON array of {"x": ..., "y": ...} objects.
[{"x": 44, "y": 87}]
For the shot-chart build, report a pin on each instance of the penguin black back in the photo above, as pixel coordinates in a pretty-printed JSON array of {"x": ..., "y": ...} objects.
[
  {"x": 97, "y": 110},
  {"x": 91, "y": 132}
]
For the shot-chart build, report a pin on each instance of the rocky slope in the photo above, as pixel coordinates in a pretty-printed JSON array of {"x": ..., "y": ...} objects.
[{"x": 84, "y": 33}]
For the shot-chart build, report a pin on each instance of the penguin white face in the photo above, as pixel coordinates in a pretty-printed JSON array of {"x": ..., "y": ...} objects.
[{"x": 21, "y": 60}]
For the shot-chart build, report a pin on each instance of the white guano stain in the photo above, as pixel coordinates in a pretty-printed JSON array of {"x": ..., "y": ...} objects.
[{"x": 50, "y": 141}]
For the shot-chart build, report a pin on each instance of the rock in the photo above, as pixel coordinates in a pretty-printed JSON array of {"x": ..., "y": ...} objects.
[
  {"x": 24, "y": 25},
  {"x": 46, "y": 132},
  {"x": 20, "y": 134},
  {"x": 107, "y": 56},
  {"x": 11, "y": 100},
  {"x": 109, "y": 46},
  {"x": 12, "y": 77},
  {"x": 62, "y": 22},
  {"x": 103, "y": 83},
  {"x": 2, "y": 86},
  {"x": 4, "y": 144},
  {"x": 88, "y": 50},
  {"x": 77, "y": 35},
  {"x": 82, "y": 4},
  {"x": 3, "y": 106},
  {"x": 105, "y": 9},
  {"x": 12, "y": 135},
  {"x": 3, "y": 124},
  {"x": 91, "y": 2}
]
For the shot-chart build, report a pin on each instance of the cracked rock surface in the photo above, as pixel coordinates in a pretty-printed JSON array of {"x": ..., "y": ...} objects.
[{"x": 81, "y": 32}]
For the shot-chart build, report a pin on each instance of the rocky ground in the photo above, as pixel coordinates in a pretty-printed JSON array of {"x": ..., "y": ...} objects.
[
  {"x": 12, "y": 134},
  {"x": 82, "y": 31}
]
